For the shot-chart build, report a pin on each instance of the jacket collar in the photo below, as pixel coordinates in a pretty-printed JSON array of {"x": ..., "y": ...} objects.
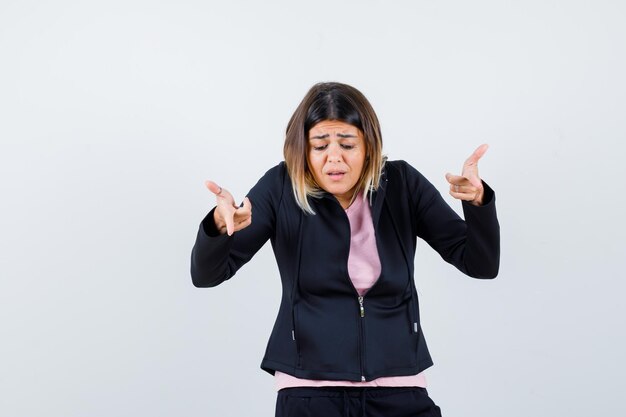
[{"x": 378, "y": 197}]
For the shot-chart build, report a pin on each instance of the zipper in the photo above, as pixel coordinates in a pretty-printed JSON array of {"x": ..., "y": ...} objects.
[
  {"x": 361, "y": 342},
  {"x": 361, "y": 308}
]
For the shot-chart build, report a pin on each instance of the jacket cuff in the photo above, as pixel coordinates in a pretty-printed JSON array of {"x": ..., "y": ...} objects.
[
  {"x": 483, "y": 234},
  {"x": 209, "y": 254},
  {"x": 209, "y": 226}
]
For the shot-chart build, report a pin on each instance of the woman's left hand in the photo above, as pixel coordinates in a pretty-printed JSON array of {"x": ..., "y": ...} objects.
[{"x": 468, "y": 186}]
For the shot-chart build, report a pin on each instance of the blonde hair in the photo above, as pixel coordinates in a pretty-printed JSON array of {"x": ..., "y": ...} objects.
[{"x": 331, "y": 101}]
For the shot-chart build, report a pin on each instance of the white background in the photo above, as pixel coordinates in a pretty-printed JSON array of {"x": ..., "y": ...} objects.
[{"x": 112, "y": 114}]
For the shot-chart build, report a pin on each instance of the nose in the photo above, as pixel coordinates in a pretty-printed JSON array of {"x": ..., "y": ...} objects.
[{"x": 334, "y": 153}]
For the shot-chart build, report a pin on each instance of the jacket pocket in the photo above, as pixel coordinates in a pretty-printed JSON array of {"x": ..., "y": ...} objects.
[
  {"x": 328, "y": 336},
  {"x": 391, "y": 340}
]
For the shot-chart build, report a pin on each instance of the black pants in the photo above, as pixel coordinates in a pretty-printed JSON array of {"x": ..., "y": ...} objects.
[{"x": 355, "y": 402}]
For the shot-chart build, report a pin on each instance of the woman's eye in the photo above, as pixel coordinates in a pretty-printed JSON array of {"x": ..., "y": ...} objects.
[
  {"x": 320, "y": 148},
  {"x": 347, "y": 146}
]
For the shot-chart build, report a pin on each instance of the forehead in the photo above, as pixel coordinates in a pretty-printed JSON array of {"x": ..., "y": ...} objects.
[{"x": 327, "y": 126}]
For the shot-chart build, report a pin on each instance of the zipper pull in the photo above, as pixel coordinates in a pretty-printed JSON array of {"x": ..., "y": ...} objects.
[{"x": 361, "y": 308}]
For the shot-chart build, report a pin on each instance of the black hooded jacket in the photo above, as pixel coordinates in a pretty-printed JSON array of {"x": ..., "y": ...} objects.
[{"x": 324, "y": 330}]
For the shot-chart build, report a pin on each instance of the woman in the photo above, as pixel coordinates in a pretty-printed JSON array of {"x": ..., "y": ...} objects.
[{"x": 343, "y": 223}]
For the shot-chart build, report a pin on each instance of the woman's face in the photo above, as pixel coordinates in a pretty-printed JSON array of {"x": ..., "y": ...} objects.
[{"x": 336, "y": 158}]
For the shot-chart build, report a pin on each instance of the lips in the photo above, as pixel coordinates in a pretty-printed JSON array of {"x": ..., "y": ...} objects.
[{"x": 336, "y": 175}]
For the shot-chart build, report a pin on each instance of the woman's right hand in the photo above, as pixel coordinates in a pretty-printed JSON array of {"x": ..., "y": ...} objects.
[{"x": 229, "y": 217}]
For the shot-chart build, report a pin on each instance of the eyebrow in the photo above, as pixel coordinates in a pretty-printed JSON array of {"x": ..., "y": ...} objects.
[{"x": 341, "y": 135}]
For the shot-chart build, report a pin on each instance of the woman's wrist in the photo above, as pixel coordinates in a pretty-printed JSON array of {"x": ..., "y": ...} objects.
[{"x": 478, "y": 200}]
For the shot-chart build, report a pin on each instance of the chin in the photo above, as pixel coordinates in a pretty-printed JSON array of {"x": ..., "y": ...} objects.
[{"x": 334, "y": 189}]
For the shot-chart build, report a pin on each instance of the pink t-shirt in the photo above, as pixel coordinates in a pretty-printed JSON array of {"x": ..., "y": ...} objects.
[{"x": 364, "y": 270}]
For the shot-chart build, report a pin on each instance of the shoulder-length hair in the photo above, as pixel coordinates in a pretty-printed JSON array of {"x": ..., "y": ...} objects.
[{"x": 331, "y": 101}]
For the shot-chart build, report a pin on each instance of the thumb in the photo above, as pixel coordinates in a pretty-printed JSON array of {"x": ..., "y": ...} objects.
[{"x": 213, "y": 187}]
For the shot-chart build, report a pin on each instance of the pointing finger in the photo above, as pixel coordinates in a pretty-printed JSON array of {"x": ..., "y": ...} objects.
[
  {"x": 213, "y": 187},
  {"x": 221, "y": 193},
  {"x": 478, "y": 153}
]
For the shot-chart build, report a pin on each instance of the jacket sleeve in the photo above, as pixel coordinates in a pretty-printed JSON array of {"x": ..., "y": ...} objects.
[
  {"x": 471, "y": 245},
  {"x": 216, "y": 258}
]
